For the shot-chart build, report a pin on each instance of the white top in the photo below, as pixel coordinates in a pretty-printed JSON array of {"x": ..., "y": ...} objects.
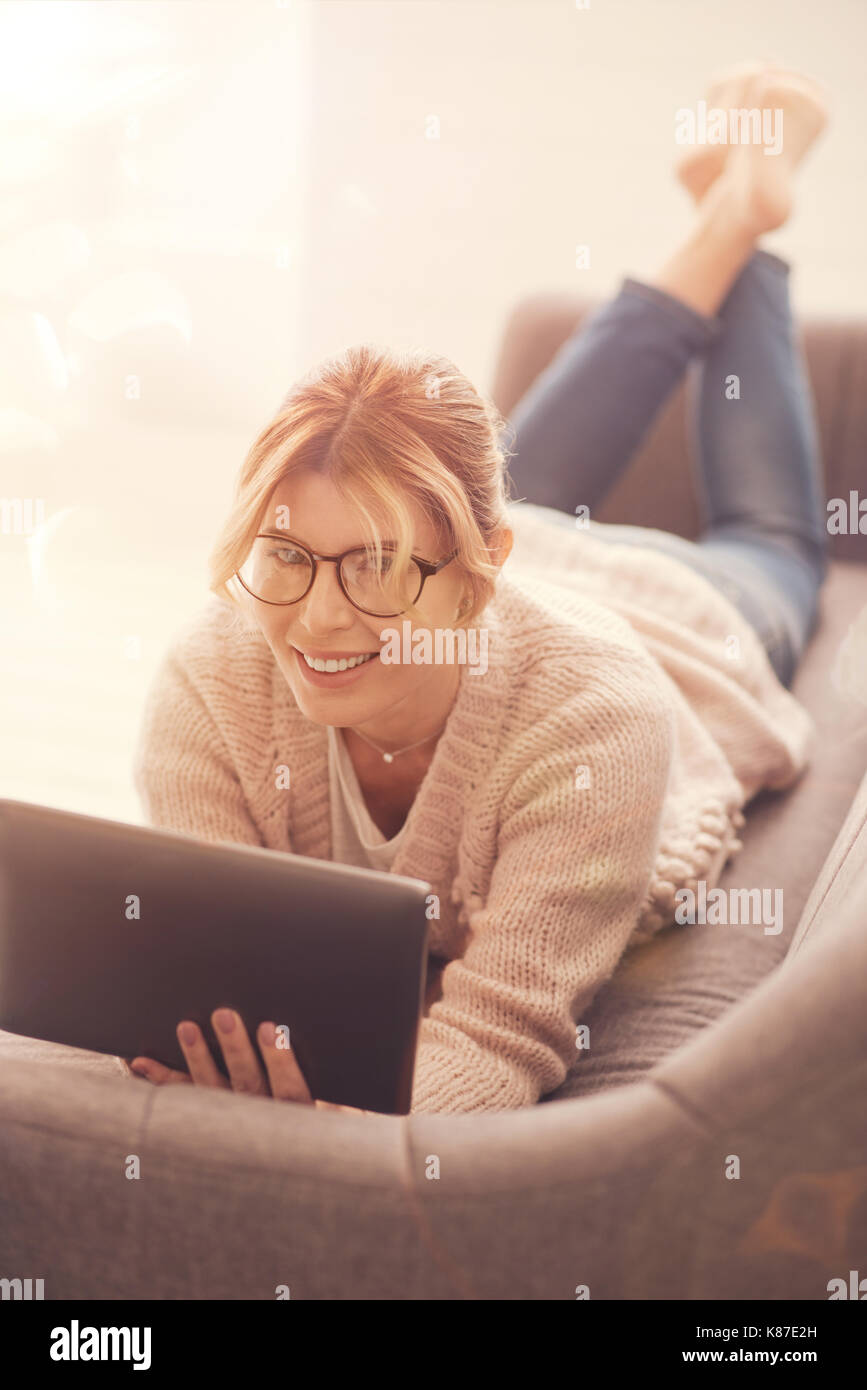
[{"x": 355, "y": 839}]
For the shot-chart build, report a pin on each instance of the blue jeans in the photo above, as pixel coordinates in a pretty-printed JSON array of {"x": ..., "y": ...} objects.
[{"x": 765, "y": 542}]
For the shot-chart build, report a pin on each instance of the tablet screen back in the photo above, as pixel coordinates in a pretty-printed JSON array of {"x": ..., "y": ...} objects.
[{"x": 111, "y": 934}]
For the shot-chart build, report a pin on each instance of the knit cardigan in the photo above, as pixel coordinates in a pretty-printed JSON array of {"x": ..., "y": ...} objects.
[{"x": 628, "y": 712}]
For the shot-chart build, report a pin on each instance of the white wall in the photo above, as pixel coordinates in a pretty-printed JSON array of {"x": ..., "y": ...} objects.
[
  {"x": 153, "y": 194},
  {"x": 556, "y": 128},
  {"x": 212, "y": 196}
]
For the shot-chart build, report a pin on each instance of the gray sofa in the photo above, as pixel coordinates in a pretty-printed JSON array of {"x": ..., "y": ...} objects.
[{"x": 711, "y": 1143}]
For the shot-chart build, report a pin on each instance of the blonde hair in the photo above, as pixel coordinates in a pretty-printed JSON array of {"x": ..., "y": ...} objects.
[{"x": 385, "y": 426}]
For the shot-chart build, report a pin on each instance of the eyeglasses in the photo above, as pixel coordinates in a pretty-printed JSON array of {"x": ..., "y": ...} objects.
[{"x": 281, "y": 570}]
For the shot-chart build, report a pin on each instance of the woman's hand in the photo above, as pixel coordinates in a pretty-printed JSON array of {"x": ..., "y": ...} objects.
[{"x": 284, "y": 1080}]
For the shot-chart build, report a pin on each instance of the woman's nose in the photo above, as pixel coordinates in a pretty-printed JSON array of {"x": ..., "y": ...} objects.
[{"x": 325, "y": 602}]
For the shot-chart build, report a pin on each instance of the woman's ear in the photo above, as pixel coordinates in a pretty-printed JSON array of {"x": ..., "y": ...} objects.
[{"x": 500, "y": 547}]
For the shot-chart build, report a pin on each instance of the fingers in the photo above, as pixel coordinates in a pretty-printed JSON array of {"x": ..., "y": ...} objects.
[
  {"x": 157, "y": 1074},
  {"x": 284, "y": 1080},
  {"x": 245, "y": 1073},
  {"x": 284, "y": 1073}
]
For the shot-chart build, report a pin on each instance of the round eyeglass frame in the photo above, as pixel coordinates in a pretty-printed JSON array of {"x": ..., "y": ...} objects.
[{"x": 427, "y": 567}]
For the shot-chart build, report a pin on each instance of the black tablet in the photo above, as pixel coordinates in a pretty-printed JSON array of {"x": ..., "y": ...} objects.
[{"x": 111, "y": 934}]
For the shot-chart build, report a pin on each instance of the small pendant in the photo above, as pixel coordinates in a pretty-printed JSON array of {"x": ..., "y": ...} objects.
[{"x": 388, "y": 757}]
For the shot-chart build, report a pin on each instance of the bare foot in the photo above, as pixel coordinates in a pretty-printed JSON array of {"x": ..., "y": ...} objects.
[
  {"x": 803, "y": 104},
  {"x": 703, "y": 164},
  {"x": 760, "y": 182}
]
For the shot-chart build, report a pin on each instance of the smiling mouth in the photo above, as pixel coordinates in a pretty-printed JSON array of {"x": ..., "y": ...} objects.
[{"x": 330, "y": 665}]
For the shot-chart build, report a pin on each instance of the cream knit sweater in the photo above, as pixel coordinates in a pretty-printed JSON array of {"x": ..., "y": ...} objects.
[{"x": 628, "y": 712}]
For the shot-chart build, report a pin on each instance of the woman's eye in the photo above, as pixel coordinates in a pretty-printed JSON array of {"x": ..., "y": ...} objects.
[
  {"x": 370, "y": 565},
  {"x": 286, "y": 557}
]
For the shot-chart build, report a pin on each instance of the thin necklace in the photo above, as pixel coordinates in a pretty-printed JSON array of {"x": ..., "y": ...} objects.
[{"x": 390, "y": 757}]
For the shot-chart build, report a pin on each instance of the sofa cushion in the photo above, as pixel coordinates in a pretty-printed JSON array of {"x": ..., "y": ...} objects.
[
  {"x": 16, "y": 1048},
  {"x": 235, "y": 1195},
  {"x": 842, "y": 881},
  {"x": 666, "y": 991}
]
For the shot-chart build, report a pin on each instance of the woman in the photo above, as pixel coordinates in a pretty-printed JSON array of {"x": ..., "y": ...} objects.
[{"x": 633, "y": 697}]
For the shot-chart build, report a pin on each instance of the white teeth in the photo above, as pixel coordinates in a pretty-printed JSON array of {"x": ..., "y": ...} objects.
[{"x": 345, "y": 663}]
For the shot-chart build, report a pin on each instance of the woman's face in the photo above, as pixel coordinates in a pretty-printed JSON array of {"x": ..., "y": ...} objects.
[{"x": 395, "y": 704}]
